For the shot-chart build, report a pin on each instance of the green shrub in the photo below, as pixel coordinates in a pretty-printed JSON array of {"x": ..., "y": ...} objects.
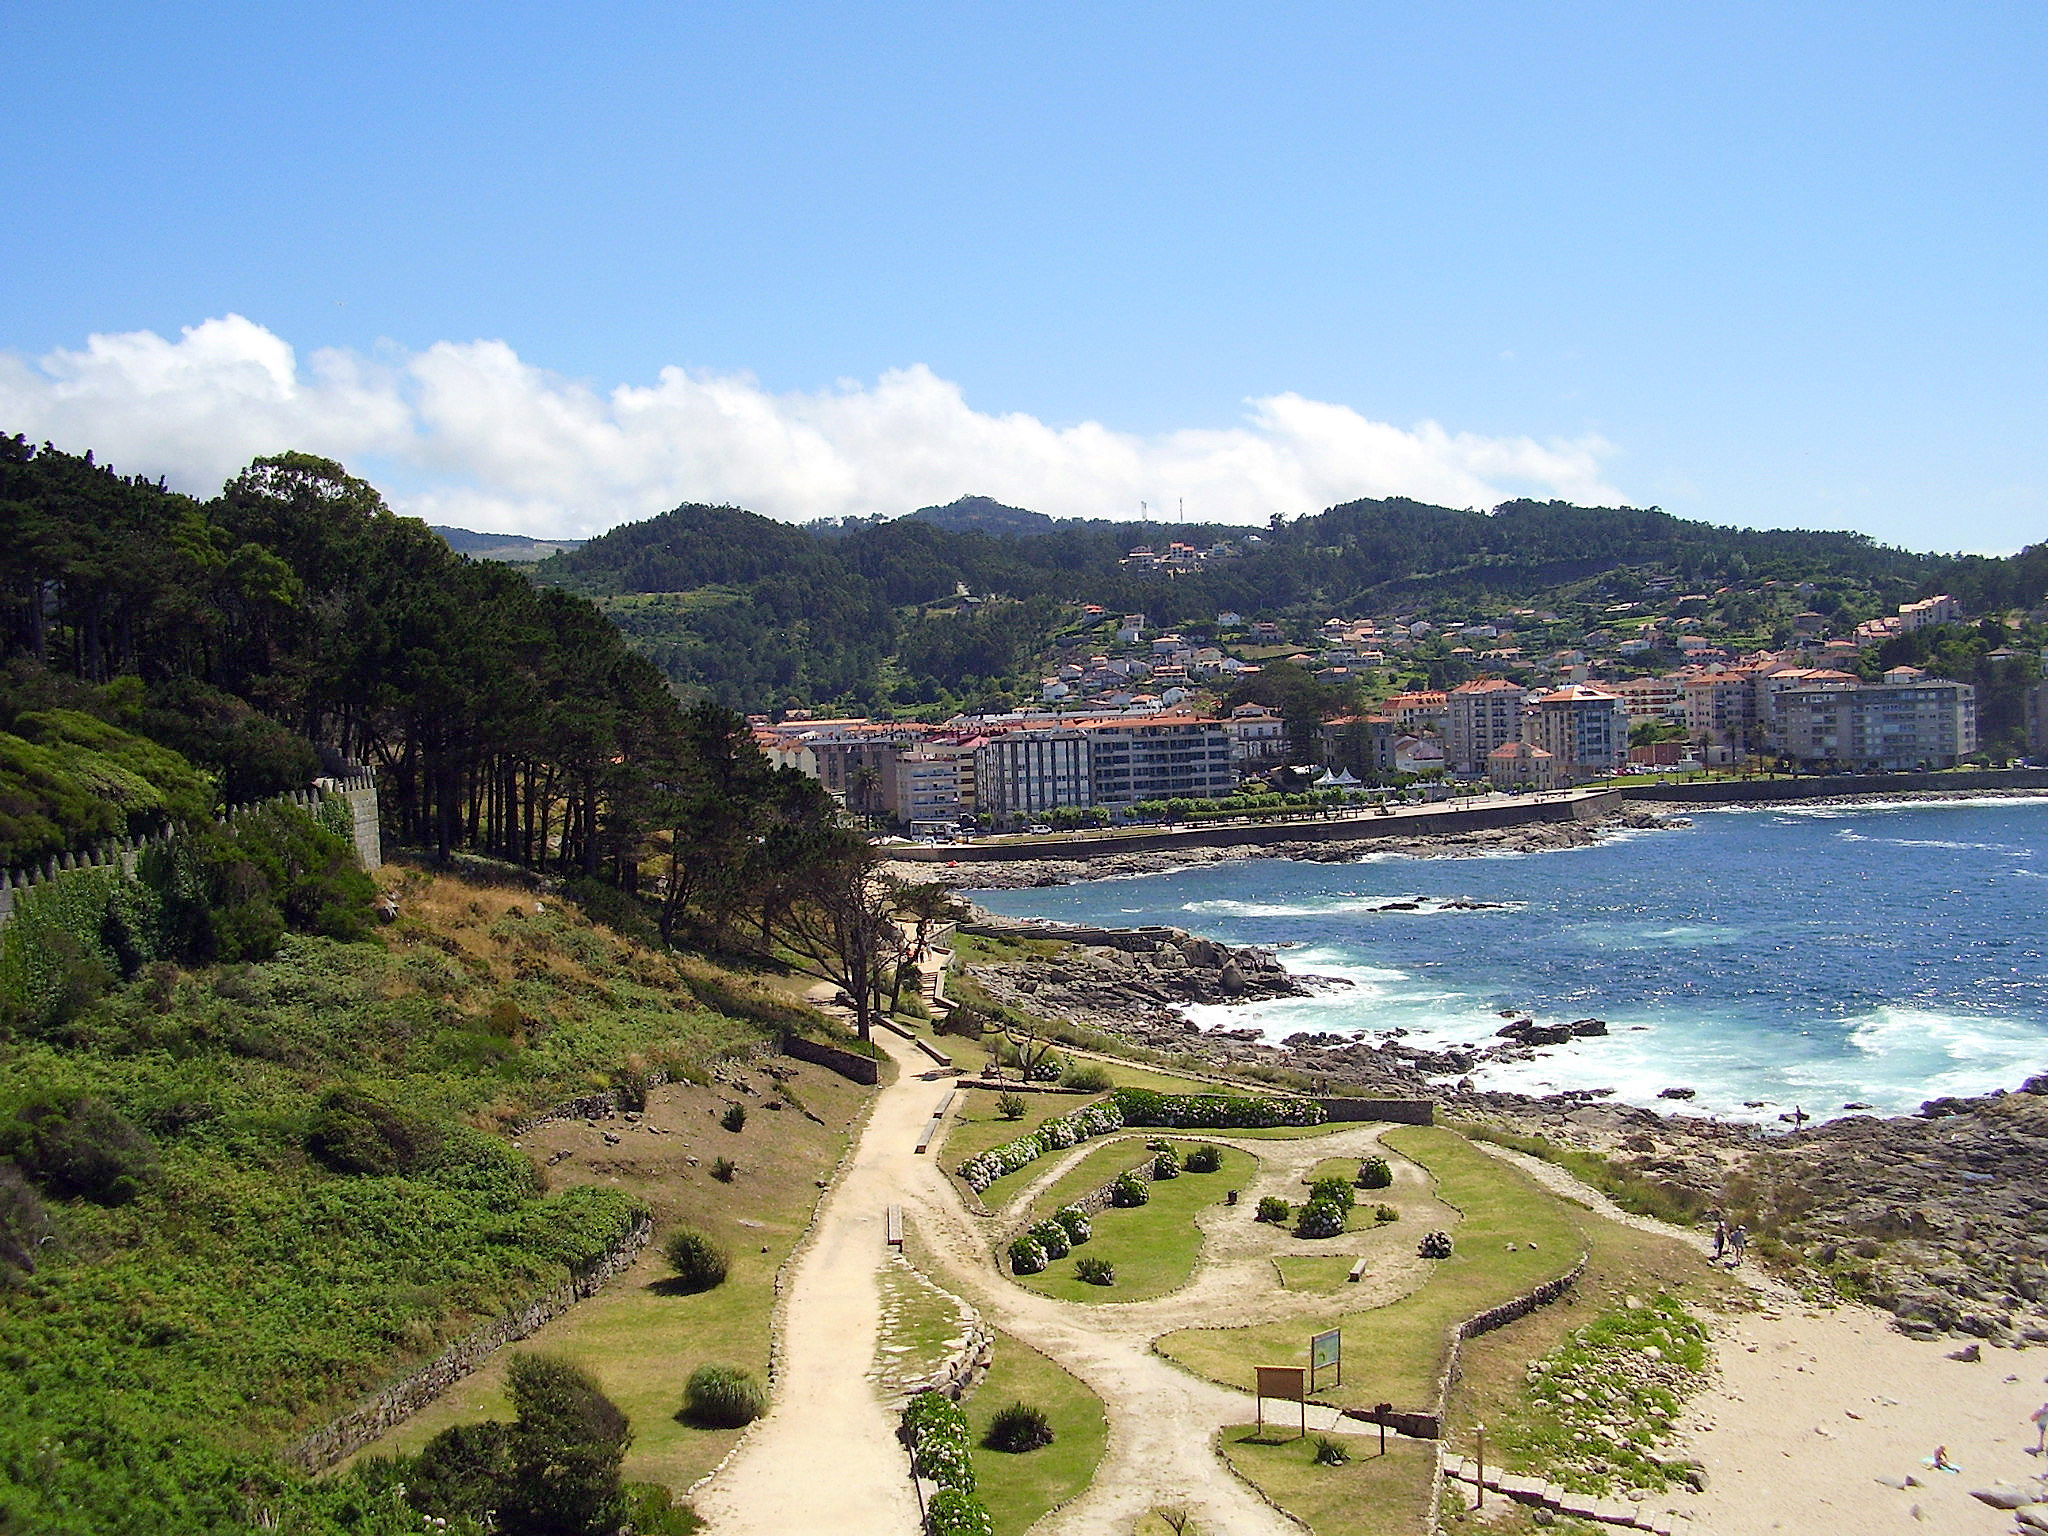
[
  {"x": 699, "y": 1263},
  {"x": 1165, "y": 1165},
  {"x": 1435, "y": 1245},
  {"x": 356, "y": 1132},
  {"x": 566, "y": 1445},
  {"x": 1076, "y": 1223},
  {"x": 1027, "y": 1255},
  {"x": 1213, "y": 1111},
  {"x": 734, "y": 1118},
  {"x": 1375, "y": 1173},
  {"x": 724, "y": 1169},
  {"x": 1018, "y": 1428},
  {"x": 722, "y": 1397},
  {"x": 1272, "y": 1208},
  {"x": 24, "y": 1224},
  {"x": 1010, "y": 1106},
  {"x": 651, "y": 1510},
  {"x": 1052, "y": 1237},
  {"x": 1088, "y": 1076},
  {"x": 1330, "y": 1453},
  {"x": 1205, "y": 1159},
  {"x": 1384, "y": 1214},
  {"x": 1336, "y": 1191},
  {"x": 1128, "y": 1191},
  {"x": 1095, "y": 1271},
  {"x": 461, "y": 1471},
  {"x": 81, "y": 1149}
]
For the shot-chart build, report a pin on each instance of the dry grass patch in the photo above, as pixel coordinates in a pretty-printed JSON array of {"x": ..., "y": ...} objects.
[{"x": 637, "y": 1337}]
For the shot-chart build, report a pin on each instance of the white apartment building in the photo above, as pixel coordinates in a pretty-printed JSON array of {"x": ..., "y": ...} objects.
[
  {"x": 1883, "y": 728},
  {"x": 1478, "y": 717},
  {"x": 1585, "y": 731}
]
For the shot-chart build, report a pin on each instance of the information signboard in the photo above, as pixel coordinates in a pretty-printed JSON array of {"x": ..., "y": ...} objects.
[
  {"x": 1289, "y": 1383},
  {"x": 1326, "y": 1354}
]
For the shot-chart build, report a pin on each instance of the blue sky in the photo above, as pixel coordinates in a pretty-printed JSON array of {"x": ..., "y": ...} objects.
[{"x": 1759, "y": 264}]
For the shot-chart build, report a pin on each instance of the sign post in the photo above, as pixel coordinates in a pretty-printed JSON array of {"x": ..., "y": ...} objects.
[
  {"x": 1326, "y": 1353},
  {"x": 1288, "y": 1383}
]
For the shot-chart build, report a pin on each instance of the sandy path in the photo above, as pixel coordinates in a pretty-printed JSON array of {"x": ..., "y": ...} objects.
[
  {"x": 825, "y": 1457},
  {"x": 1808, "y": 1408}
]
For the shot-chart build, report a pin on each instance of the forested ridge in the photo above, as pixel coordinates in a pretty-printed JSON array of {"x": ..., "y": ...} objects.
[{"x": 761, "y": 614}]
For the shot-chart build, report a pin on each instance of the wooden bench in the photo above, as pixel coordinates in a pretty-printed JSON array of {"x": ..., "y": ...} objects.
[
  {"x": 930, "y": 1133},
  {"x": 1357, "y": 1271},
  {"x": 894, "y": 1227}
]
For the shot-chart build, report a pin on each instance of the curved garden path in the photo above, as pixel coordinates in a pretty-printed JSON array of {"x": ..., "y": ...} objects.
[{"x": 825, "y": 1458}]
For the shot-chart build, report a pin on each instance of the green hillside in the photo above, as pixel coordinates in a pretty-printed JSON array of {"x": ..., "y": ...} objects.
[{"x": 867, "y": 612}]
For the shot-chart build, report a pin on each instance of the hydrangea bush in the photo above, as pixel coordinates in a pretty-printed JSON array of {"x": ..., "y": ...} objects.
[
  {"x": 1057, "y": 1134},
  {"x": 1052, "y": 1237},
  {"x": 1075, "y": 1220},
  {"x": 936, "y": 1431},
  {"x": 1027, "y": 1255}
]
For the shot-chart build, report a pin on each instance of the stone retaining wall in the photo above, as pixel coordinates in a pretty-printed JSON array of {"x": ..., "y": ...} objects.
[
  {"x": 848, "y": 1064},
  {"x": 1395, "y": 1111},
  {"x": 369, "y": 1420},
  {"x": 1429, "y": 1424}
]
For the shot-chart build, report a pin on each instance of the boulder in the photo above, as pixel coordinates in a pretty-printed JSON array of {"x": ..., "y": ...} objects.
[{"x": 2003, "y": 1496}]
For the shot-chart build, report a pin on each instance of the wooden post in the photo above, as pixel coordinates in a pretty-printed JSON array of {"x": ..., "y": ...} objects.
[{"x": 1481, "y": 1458}]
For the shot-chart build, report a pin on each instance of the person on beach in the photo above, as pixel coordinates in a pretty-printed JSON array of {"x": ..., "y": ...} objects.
[
  {"x": 2039, "y": 1419},
  {"x": 1940, "y": 1462}
]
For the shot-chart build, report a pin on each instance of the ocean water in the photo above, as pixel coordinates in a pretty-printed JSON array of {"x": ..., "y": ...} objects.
[{"x": 1767, "y": 957}]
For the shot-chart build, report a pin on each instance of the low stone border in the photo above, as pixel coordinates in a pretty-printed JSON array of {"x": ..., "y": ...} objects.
[
  {"x": 1537, "y": 1493},
  {"x": 370, "y": 1420}
]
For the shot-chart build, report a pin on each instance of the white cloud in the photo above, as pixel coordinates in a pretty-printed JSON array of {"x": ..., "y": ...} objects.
[{"x": 486, "y": 440}]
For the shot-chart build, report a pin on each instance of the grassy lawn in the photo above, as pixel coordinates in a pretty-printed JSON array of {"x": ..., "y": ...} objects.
[
  {"x": 1018, "y": 1489},
  {"x": 639, "y": 1339},
  {"x": 1153, "y": 1246},
  {"x": 1315, "y": 1272},
  {"x": 1405, "y": 1341},
  {"x": 1371, "y": 1495}
]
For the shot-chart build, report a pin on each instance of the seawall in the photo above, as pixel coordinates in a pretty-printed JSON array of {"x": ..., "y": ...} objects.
[
  {"x": 1757, "y": 791},
  {"x": 1411, "y": 821}
]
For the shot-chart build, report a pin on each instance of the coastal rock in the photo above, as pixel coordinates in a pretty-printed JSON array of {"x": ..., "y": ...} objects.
[{"x": 1677, "y": 1093}]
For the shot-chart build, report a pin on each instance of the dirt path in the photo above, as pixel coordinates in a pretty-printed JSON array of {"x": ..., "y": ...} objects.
[{"x": 826, "y": 1458}]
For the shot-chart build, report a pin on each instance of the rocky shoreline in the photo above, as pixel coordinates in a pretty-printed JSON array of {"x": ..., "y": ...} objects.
[{"x": 1535, "y": 837}]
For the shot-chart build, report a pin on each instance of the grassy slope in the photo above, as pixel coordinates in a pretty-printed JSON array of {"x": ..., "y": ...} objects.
[
  {"x": 637, "y": 1337},
  {"x": 251, "y": 1293},
  {"x": 1405, "y": 1341}
]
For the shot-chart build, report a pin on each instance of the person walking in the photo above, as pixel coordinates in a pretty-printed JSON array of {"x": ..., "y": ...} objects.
[
  {"x": 1738, "y": 1246},
  {"x": 1720, "y": 1241},
  {"x": 2039, "y": 1418}
]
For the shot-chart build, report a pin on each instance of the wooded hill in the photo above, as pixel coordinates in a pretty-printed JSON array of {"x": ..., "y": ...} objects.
[{"x": 760, "y": 614}]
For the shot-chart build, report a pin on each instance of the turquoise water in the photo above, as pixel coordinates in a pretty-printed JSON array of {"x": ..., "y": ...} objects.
[{"x": 1808, "y": 956}]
